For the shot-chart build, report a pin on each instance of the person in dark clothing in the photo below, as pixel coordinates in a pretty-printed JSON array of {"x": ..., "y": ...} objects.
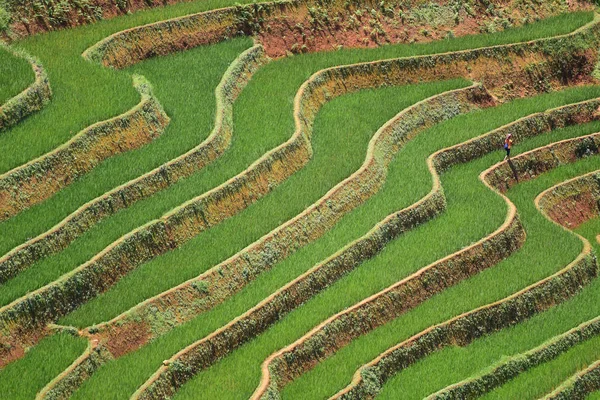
[{"x": 508, "y": 142}]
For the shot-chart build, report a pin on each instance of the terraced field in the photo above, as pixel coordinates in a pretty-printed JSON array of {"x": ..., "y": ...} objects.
[{"x": 300, "y": 199}]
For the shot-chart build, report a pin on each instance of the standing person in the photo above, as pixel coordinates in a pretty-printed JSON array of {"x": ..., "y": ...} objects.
[{"x": 508, "y": 145}]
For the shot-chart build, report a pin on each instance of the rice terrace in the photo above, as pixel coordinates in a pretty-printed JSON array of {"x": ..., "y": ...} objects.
[{"x": 299, "y": 199}]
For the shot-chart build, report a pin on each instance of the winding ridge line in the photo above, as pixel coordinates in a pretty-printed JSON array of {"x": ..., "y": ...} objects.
[
  {"x": 62, "y": 234},
  {"x": 157, "y": 237},
  {"x": 390, "y": 76},
  {"x": 576, "y": 198},
  {"x": 234, "y": 195},
  {"x": 376, "y": 310},
  {"x": 463, "y": 329},
  {"x": 203, "y": 353},
  {"x": 551, "y": 56},
  {"x": 187, "y": 301},
  {"x": 78, "y": 210},
  {"x": 579, "y": 386},
  {"x": 506, "y": 370},
  {"x": 31, "y": 99},
  {"x": 34, "y": 182},
  {"x": 48, "y": 303},
  {"x": 132, "y": 45}
]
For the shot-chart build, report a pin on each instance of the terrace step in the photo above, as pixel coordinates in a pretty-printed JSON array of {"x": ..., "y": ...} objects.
[
  {"x": 520, "y": 363},
  {"x": 33, "y": 98},
  {"x": 39, "y": 179},
  {"x": 518, "y": 307},
  {"x": 197, "y": 356},
  {"x": 189, "y": 289},
  {"x": 579, "y": 386},
  {"x": 160, "y": 178}
]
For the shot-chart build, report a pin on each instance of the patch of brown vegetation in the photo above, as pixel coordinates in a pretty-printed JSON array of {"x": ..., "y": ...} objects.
[
  {"x": 312, "y": 28},
  {"x": 15, "y": 345},
  {"x": 125, "y": 338},
  {"x": 27, "y": 22},
  {"x": 575, "y": 210}
]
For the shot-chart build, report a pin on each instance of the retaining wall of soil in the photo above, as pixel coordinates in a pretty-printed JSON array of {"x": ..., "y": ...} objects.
[
  {"x": 516, "y": 365},
  {"x": 162, "y": 177},
  {"x": 39, "y": 179},
  {"x": 421, "y": 285},
  {"x": 33, "y": 98}
]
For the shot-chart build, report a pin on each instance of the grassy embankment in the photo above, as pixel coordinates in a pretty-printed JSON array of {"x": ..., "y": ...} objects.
[
  {"x": 84, "y": 93},
  {"x": 535, "y": 261},
  {"x": 15, "y": 75},
  {"x": 128, "y": 83},
  {"x": 541, "y": 380},
  {"x": 448, "y": 233},
  {"x": 482, "y": 353},
  {"x": 544, "y": 378},
  {"x": 408, "y": 181},
  {"x": 269, "y": 119}
]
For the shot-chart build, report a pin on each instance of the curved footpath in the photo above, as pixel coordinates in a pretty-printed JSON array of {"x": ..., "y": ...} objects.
[
  {"x": 160, "y": 178},
  {"x": 183, "y": 223},
  {"x": 516, "y": 308},
  {"x": 31, "y": 99},
  {"x": 133, "y": 45},
  {"x": 198, "y": 214},
  {"x": 127, "y": 47},
  {"x": 447, "y": 66},
  {"x": 34, "y": 182},
  {"x": 205, "y": 352}
]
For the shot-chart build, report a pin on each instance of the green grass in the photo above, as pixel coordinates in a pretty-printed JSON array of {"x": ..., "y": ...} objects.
[
  {"x": 543, "y": 379},
  {"x": 25, "y": 377},
  {"x": 15, "y": 75},
  {"x": 408, "y": 181},
  {"x": 468, "y": 361},
  {"x": 336, "y": 158},
  {"x": 189, "y": 100},
  {"x": 533, "y": 262},
  {"x": 594, "y": 396},
  {"x": 85, "y": 93},
  {"x": 338, "y": 152},
  {"x": 91, "y": 93},
  {"x": 259, "y": 127},
  {"x": 454, "y": 364},
  {"x": 546, "y": 377},
  {"x": 448, "y": 233}
]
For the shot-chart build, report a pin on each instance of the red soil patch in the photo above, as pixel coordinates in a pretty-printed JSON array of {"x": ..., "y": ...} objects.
[
  {"x": 14, "y": 346},
  {"x": 574, "y": 211},
  {"x": 126, "y": 338},
  {"x": 311, "y": 29}
]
